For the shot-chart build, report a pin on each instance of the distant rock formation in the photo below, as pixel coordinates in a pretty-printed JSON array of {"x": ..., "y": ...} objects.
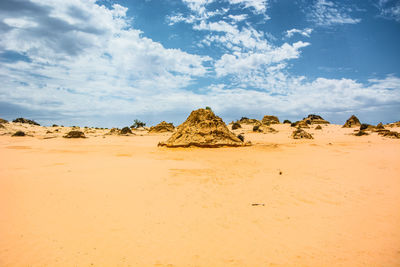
[
  {"x": 75, "y": 134},
  {"x": 301, "y": 134},
  {"x": 162, "y": 127},
  {"x": 245, "y": 120},
  {"x": 125, "y": 131},
  {"x": 315, "y": 119},
  {"x": 203, "y": 129},
  {"x": 19, "y": 133},
  {"x": 300, "y": 124},
  {"x": 268, "y": 119},
  {"x": 318, "y": 127},
  {"x": 353, "y": 121},
  {"x": 390, "y": 134},
  {"x": 236, "y": 125},
  {"x": 3, "y": 120},
  {"x": 23, "y": 120}
]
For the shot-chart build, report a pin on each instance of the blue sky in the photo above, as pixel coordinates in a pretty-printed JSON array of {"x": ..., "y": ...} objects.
[{"x": 106, "y": 63}]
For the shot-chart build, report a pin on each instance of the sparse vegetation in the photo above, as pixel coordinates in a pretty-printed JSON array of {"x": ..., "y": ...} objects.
[
  {"x": 236, "y": 125},
  {"x": 126, "y": 130},
  {"x": 287, "y": 121},
  {"x": 208, "y": 108},
  {"x": 137, "y": 124},
  {"x": 75, "y": 134}
]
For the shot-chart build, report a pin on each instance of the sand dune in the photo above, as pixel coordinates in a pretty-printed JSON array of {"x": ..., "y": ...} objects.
[{"x": 122, "y": 201}]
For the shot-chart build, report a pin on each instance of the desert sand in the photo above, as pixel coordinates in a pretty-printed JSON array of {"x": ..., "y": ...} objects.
[{"x": 111, "y": 200}]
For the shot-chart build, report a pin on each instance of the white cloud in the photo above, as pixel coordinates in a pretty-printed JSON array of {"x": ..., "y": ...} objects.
[
  {"x": 389, "y": 9},
  {"x": 327, "y": 13},
  {"x": 258, "y": 6},
  {"x": 306, "y": 32},
  {"x": 238, "y": 18}
]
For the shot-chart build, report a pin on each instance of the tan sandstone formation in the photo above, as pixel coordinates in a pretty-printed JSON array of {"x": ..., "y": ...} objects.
[
  {"x": 353, "y": 121},
  {"x": 203, "y": 129},
  {"x": 301, "y": 134},
  {"x": 267, "y": 120},
  {"x": 315, "y": 119},
  {"x": 162, "y": 127}
]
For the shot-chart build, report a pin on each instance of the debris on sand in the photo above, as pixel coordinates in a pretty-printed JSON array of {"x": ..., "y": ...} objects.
[
  {"x": 390, "y": 134},
  {"x": 125, "y": 131},
  {"x": 236, "y": 125},
  {"x": 19, "y": 133},
  {"x": 23, "y": 120},
  {"x": 203, "y": 129},
  {"x": 301, "y": 134},
  {"x": 268, "y": 119},
  {"x": 318, "y": 127},
  {"x": 75, "y": 134},
  {"x": 162, "y": 127},
  {"x": 316, "y": 119},
  {"x": 353, "y": 121}
]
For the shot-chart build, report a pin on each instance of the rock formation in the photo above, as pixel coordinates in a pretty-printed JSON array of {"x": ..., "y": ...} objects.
[
  {"x": 203, "y": 129},
  {"x": 125, "y": 131},
  {"x": 19, "y": 133},
  {"x": 3, "y": 120},
  {"x": 75, "y": 134},
  {"x": 315, "y": 119},
  {"x": 267, "y": 120},
  {"x": 236, "y": 125},
  {"x": 353, "y": 121},
  {"x": 318, "y": 127},
  {"x": 23, "y": 120},
  {"x": 301, "y": 134},
  {"x": 162, "y": 127},
  {"x": 245, "y": 120},
  {"x": 390, "y": 134}
]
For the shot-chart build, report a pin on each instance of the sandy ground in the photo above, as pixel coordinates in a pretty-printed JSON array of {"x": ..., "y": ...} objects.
[{"x": 122, "y": 201}]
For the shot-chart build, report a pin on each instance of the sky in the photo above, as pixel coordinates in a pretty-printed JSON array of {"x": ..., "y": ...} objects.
[{"x": 105, "y": 63}]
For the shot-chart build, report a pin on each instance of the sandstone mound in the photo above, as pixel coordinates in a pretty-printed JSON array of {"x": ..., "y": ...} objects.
[
  {"x": 393, "y": 124},
  {"x": 318, "y": 127},
  {"x": 125, "y": 130},
  {"x": 162, "y": 127},
  {"x": 380, "y": 126},
  {"x": 267, "y": 120},
  {"x": 245, "y": 120},
  {"x": 361, "y": 133},
  {"x": 300, "y": 124},
  {"x": 23, "y": 120},
  {"x": 2, "y": 126},
  {"x": 236, "y": 125},
  {"x": 353, "y": 121},
  {"x": 203, "y": 129},
  {"x": 316, "y": 119},
  {"x": 3, "y": 120},
  {"x": 75, "y": 134},
  {"x": 301, "y": 134},
  {"x": 114, "y": 131}
]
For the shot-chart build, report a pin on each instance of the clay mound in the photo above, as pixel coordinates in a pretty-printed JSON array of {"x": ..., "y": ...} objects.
[
  {"x": 19, "y": 133},
  {"x": 301, "y": 134},
  {"x": 3, "y": 120},
  {"x": 353, "y": 121},
  {"x": 245, "y": 120},
  {"x": 318, "y": 127},
  {"x": 203, "y": 129},
  {"x": 267, "y": 120},
  {"x": 162, "y": 127},
  {"x": 75, "y": 134},
  {"x": 390, "y": 134},
  {"x": 23, "y": 120},
  {"x": 316, "y": 119}
]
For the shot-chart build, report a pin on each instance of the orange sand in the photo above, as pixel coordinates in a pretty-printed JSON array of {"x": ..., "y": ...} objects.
[{"x": 122, "y": 201}]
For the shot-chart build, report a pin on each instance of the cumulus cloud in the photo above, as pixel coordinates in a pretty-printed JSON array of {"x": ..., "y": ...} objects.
[
  {"x": 328, "y": 13},
  {"x": 79, "y": 55},
  {"x": 258, "y": 6}
]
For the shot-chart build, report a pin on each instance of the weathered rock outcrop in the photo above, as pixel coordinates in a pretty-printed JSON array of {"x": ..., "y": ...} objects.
[
  {"x": 203, "y": 129},
  {"x": 316, "y": 119},
  {"x": 268, "y": 119},
  {"x": 75, "y": 134},
  {"x": 162, "y": 127},
  {"x": 353, "y": 121},
  {"x": 301, "y": 134},
  {"x": 23, "y": 120}
]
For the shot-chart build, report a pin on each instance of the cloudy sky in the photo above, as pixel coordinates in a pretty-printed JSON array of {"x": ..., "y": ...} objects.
[{"x": 105, "y": 63}]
